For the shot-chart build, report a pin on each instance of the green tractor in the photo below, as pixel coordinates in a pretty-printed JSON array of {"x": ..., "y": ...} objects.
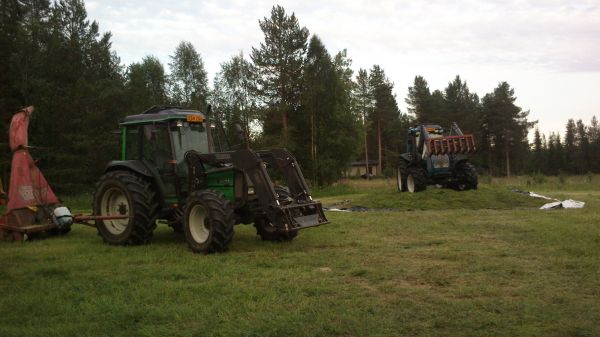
[
  {"x": 169, "y": 172},
  {"x": 434, "y": 157}
]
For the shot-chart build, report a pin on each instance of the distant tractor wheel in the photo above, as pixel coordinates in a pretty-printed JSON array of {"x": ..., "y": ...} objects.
[
  {"x": 416, "y": 181},
  {"x": 401, "y": 174},
  {"x": 208, "y": 222},
  {"x": 123, "y": 193},
  {"x": 268, "y": 232},
  {"x": 466, "y": 175}
]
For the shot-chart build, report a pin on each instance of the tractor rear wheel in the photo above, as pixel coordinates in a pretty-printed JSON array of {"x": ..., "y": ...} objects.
[
  {"x": 127, "y": 194},
  {"x": 401, "y": 175},
  {"x": 208, "y": 222},
  {"x": 466, "y": 175},
  {"x": 416, "y": 180}
]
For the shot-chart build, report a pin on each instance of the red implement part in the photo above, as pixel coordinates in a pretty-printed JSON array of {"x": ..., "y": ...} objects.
[
  {"x": 452, "y": 145},
  {"x": 28, "y": 187}
]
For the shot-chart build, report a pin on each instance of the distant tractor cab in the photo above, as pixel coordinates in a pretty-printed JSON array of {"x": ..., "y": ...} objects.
[
  {"x": 169, "y": 171},
  {"x": 434, "y": 157}
]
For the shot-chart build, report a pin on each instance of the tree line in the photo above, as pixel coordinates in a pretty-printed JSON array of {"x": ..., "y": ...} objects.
[
  {"x": 575, "y": 153},
  {"x": 288, "y": 91}
]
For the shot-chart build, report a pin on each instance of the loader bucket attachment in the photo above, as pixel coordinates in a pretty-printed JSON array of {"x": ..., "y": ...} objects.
[
  {"x": 451, "y": 145},
  {"x": 297, "y": 212}
]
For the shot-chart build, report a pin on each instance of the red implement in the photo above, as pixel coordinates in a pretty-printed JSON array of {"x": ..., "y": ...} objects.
[{"x": 451, "y": 145}]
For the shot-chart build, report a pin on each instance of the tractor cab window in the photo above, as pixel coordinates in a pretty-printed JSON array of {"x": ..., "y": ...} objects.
[
  {"x": 156, "y": 145},
  {"x": 132, "y": 143},
  {"x": 188, "y": 136}
]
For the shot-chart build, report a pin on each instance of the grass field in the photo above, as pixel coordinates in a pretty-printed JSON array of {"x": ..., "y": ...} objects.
[{"x": 437, "y": 263}]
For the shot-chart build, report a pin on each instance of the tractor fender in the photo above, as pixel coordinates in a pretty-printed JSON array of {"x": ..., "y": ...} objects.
[
  {"x": 129, "y": 165},
  {"x": 406, "y": 157}
]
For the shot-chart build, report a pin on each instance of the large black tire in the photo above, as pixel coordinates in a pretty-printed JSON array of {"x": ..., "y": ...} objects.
[
  {"x": 208, "y": 222},
  {"x": 267, "y": 231},
  {"x": 416, "y": 179},
  {"x": 401, "y": 173},
  {"x": 125, "y": 193},
  {"x": 466, "y": 176}
]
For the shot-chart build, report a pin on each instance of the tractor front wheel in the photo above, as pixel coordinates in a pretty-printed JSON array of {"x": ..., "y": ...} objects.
[
  {"x": 208, "y": 222},
  {"x": 123, "y": 193},
  {"x": 416, "y": 180}
]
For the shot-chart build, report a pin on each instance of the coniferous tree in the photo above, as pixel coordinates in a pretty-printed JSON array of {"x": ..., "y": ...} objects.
[
  {"x": 326, "y": 101},
  {"x": 461, "y": 106},
  {"x": 583, "y": 155},
  {"x": 363, "y": 99},
  {"x": 594, "y": 140},
  {"x": 570, "y": 151},
  {"x": 385, "y": 111},
  {"x": 279, "y": 63},
  {"x": 505, "y": 128},
  {"x": 538, "y": 164},
  {"x": 419, "y": 101}
]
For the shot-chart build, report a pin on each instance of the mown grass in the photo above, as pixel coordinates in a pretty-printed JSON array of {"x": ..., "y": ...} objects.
[{"x": 427, "y": 272}]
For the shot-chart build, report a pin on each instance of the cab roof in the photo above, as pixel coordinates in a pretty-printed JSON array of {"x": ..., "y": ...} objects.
[{"x": 160, "y": 113}]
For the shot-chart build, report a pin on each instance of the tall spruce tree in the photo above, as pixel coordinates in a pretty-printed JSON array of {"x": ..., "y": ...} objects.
[
  {"x": 326, "y": 101},
  {"x": 570, "y": 147},
  {"x": 78, "y": 86},
  {"x": 461, "y": 106},
  {"x": 584, "y": 156},
  {"x": 385, "y": 112},
  {"x": 279, "y": 63},
  {"x": 419, "y": 101},
  {"x": 364, "y": 102},
  {"x": 505, "y": 128}
]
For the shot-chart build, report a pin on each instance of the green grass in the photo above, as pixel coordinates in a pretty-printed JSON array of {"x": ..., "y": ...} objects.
[{"x": 462, "y": 270}]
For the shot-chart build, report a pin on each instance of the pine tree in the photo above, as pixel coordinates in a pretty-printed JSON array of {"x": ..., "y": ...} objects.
[
  {"x": 326, "y": 101},
  {"x": 385, "y": 112},
  {"x": 189, "y": 83},
  {"x": 363, "y": 98},
  {"x": 461, "y": 106},
  {"x": 419, "y": 101},
  {"x": 505, "y": 128},
  {"x": 583, "y": 155},
  {"x": 538, "y": 164},
  {"x": 570, "y": 148},
  {"x": 594, "y": 139},
  {"x": 278, "y": 64}
]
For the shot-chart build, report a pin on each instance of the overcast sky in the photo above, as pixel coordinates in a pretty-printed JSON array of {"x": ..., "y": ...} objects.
[{"x": 548, "y": 51}]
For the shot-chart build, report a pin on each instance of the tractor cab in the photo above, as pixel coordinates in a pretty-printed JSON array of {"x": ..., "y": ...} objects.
[{"x": 159, "y": 138}]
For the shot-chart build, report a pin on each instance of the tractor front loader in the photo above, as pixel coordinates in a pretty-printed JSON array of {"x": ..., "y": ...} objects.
[
  {"x": 434, "y": 157},
  {"x": 169, "y": 171}
]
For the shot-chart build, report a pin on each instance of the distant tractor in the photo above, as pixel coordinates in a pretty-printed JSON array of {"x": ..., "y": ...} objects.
[
  {"x": 169, "y": 171},
  {"x": 433, "y": 157}
]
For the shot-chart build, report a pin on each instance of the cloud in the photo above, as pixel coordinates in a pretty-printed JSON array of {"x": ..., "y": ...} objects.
[{"x": 484, "y": 41}]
